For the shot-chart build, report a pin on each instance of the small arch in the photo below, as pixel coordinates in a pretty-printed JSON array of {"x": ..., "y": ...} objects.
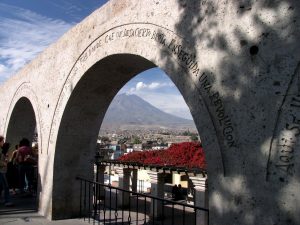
[
  {"x": 23, "y": 97},
  {"x": 22, "y": 122}
]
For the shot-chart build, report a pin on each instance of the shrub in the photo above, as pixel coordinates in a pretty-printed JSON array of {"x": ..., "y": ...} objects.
[{"x": 185, "y": 154}]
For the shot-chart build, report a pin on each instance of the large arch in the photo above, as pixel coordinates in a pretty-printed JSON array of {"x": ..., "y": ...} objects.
[
  {"x": 235, "y": 63},
  {"x": 81, "y": 121}
]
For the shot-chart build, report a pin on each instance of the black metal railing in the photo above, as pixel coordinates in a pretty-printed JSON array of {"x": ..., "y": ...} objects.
[
  {"x": 104, "y": 204},
  {"x": 141, "y": 186}
]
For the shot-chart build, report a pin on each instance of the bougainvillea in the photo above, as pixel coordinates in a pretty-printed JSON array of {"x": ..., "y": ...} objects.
[{"x": 185, "y": 154}]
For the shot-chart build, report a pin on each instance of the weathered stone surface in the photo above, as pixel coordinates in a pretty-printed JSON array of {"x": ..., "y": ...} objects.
[{"x": 235, "y": 62}]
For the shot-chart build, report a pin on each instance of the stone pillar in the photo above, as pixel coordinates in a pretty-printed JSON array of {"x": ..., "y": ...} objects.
[
  {"x": 100, "y": 179},
  {"x": 200, "y": 199},
  {"x": 157, "y": 190},
  {"x": 134, "y": 180},
  {"x": 124, "y": 183}
]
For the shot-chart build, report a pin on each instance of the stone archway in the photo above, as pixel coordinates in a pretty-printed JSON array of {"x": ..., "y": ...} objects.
[
  {"x": 22, "y": 122},
  {"x": 81, "y": 122},
  {"x": 23, "y": 116}
]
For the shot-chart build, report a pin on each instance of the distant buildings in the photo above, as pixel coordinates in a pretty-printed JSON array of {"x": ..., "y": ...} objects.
[{"x": 113, "y": 145}]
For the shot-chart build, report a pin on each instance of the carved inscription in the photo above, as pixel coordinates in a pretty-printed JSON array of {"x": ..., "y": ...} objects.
[
  {"x": 137, "y": 32},
  {"x": 188, "y": 60},
  {"x": 218, "y": 105},
  {"x": 285, "y": 142},
  {"x": 185, "y": 57},
  {"x": 170, "y": 43}
]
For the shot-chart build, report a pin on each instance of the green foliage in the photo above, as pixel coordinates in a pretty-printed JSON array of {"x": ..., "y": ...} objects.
[
  {"x": 194, "y": 137},
  {"x": 136, "y": 140}
]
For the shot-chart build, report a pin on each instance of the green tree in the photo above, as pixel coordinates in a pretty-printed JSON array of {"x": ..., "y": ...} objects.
[
  {"x": 194, "y": 137},
  {"x": 136, "y": 140}
]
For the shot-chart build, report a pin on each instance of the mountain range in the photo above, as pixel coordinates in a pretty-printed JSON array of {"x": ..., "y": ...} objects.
[{"x": 130, "y": 112}]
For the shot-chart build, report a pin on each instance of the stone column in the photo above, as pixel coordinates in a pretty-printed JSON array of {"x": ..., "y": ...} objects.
[
  {"x": 134, "y": 180},
  {"x": 100, "y": 179},
  {"x": 157, "y": 190},
  {"x": 200, "y": 199},
  {"x": 124, "y": 183}
]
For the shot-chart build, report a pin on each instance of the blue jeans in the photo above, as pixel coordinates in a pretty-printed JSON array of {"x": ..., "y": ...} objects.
[
  {"x": 25, "y": 173},
  {"x": 4, "y": 185}
]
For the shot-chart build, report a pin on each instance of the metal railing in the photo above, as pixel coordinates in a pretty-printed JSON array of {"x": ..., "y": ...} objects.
[
  {"x": 105, "y": 204},
  {"x": 141, "y": 186}
]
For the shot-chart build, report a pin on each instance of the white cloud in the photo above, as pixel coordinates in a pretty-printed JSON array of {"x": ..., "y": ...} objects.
[
  {"x": 141, "y": 86},
  {"x": 23, "y": 35}
]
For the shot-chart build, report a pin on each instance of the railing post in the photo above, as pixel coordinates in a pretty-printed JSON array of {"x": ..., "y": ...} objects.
[
  {"x": 124, "y": 183},
  {"x": 157, "y": 190},
  {"x": 200, "y": 199},
  {"x": 100, "y": 179},
  {"x": 134, "y": 180}
]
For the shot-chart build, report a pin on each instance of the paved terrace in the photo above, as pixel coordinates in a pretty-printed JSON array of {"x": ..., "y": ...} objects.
[{"x": 24, "y": 212}]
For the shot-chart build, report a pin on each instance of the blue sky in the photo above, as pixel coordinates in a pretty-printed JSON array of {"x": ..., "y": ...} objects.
[{"x": 27, "y": 27}]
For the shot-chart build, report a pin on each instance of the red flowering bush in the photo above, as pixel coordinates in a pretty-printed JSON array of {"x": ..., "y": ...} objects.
[{"x": 185, "y": 154}]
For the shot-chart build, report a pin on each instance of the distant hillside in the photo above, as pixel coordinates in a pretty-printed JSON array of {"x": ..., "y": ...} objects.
[{"x": 132, "y": 112}]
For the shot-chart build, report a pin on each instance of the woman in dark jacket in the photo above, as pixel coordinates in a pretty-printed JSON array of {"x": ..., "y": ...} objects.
[
  {"x": 25, "y": 167},
  {"x": 12, "y": 174}
]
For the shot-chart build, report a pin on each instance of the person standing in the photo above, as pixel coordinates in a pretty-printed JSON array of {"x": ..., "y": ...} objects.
[
  {"x": 12, "y": 174},
  {"x": 175, "y": 192},
  {"x": 3, "y": 170},
  {"x": 24, "y": 155},
  {"x": 180, "y": 193}
]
